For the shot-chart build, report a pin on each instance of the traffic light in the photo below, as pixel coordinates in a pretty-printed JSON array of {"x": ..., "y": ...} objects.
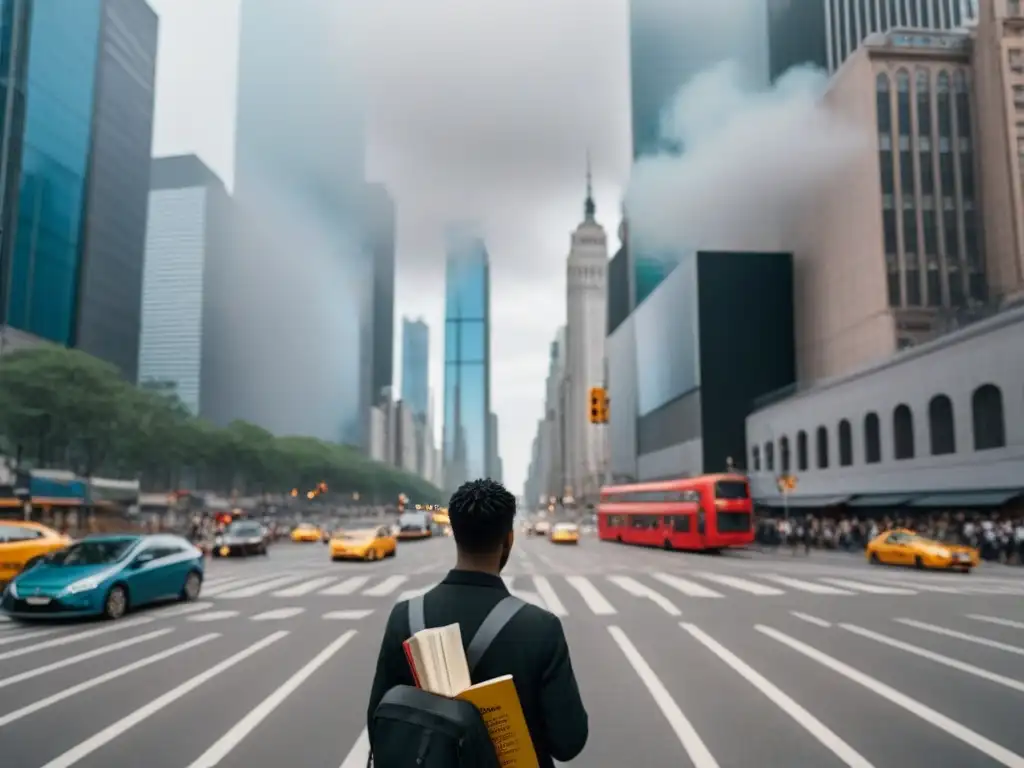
[{"x": 598, "y": 405}]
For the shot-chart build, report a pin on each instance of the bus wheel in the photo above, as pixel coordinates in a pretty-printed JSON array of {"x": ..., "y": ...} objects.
[{"x": 668, "y": 545}]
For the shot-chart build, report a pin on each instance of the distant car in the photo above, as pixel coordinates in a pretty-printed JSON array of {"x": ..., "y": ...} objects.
[
  {"x": 242, "y": 538},
  {"x": 565, "y": 533},
  {"x": 541, "y": 528},
  {"x": 106, "y": 576},
  {"x": 370, "y": 544},
  {"x": 306, "y": 532},
  {"x": 22, "y": 544},
  {"x": 904, "y": 547}
]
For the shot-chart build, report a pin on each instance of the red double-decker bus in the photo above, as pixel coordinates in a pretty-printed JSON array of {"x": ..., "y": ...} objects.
[{"x": 710, "y": 512}]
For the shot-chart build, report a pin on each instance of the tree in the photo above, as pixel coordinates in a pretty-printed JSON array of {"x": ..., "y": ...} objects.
[{"x": 61, "y": 407}]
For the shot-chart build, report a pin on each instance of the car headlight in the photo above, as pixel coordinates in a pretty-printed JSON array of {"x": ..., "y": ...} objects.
[
  {"x": 219, "y": 540},
  {"x": 12, "y": 590},
  {"x": 83, "y": 585}
]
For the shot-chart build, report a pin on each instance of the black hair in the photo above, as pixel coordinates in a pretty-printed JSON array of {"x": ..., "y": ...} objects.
[{"x": 482, "y": 513}]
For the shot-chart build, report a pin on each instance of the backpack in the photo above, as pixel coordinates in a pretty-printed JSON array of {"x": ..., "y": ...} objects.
[{"x": 412, "y": 727}]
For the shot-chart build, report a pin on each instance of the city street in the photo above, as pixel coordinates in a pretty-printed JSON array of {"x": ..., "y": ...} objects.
[{"x": 745, "y": 659}]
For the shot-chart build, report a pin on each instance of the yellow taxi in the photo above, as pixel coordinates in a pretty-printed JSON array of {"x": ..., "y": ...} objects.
[
  {"x": 565, "y": 533},
  {"x": 22, "y": 542},
  {"x": 369, "y": 544},
  {"x": 904, "y": 547},
  {"x": 307, "y": 532}
]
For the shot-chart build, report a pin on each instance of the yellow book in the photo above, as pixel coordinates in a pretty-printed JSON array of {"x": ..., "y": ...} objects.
[{"x": 498, "y": 703}]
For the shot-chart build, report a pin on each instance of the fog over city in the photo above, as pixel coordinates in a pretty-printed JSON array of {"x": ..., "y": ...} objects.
[{"x": 487, "y": 112}]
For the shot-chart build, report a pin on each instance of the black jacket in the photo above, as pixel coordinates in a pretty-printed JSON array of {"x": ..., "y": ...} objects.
[{"x": 531, "y": 648}]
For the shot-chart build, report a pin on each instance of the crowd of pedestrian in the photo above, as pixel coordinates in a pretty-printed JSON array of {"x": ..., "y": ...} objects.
[{"x": 998, "y": 537}]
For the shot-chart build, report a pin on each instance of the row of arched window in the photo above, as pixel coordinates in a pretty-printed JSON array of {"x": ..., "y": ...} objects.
[{"x": 988, "y": 426}]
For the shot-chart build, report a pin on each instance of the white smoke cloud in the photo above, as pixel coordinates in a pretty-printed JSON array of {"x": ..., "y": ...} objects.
[{"x": 751, "y": 158}]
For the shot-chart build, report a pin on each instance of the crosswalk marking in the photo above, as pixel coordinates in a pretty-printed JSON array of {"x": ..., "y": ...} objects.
[
  {"x": 808, "y": 586},
  {"x": 386, "y": 587},
  {"x": 73, "y": 637},
  {"x": 278, "y": 614},
  {"x": 232, "y": 584},
  {"x": 873, "y": 589},
  {"x": 595, "y": 600},
  {"x": 939, "y": 658},
  {"x": 687, "y": 587},
  {"x": 530, "y": 597},
  {"x": 997, "y": 620},
  {"x": 359, "y": 755},
  {"x": 741, "y": 584},
  {"x": 963, "y": 636},
  {"x": 409, "y": 594},
  {"x": 920, "y": 587},
  {"x": 305, "y": 587},
  {"x": 635, "y": 588},
  {"x": 547, "y": 594},
  {"x": 258, "y": 588},
  {"x": 346, "y": 587},
  {"x": 997, "y": 752},
  {"x": 350, "y": 615},
  {"x": 805, "y": 719},
  {"x": 810, "y": 619},
  {"x": 214, "y": 616}
]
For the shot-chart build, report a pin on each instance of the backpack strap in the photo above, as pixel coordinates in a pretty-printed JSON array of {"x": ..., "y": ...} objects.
[
  {"x": 496, "y": 620},
  {"x": 417, "y": 620}
]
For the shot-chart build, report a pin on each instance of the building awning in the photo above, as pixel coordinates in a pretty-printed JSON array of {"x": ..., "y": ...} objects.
[
  {"x": 803, "y": 502},
  {"x": 966, "y": 499},
  {"x": 881, "y": 500}
]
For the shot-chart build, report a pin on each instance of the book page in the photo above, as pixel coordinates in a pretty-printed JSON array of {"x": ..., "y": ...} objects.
[{"x": 455, "y": 659}]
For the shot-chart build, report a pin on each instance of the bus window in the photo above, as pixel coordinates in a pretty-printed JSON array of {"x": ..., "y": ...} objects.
[
  {"x": 680, "y": 523},
  {"x": 731, "y": 489},
  {"x": 733, "y": 522}
]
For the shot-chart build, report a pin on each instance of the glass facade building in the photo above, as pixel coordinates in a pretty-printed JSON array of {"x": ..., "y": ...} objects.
[
  {"x": 467, "y": 383},
  {"x": 45, "y": 242},
  {"x": 416, "y": 366}
]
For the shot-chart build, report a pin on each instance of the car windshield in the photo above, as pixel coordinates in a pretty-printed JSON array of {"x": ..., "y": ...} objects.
[
  {"x": 244, "y": 529},
  {"x": 566, "y": 527},
  {"x": 307, "y": 527},
  {"x": 93, "y": 552},
  {"x": 354, "y": 535}
]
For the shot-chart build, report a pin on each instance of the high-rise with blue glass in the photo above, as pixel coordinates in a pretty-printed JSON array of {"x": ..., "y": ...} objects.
[
  {"x": 467, "y": 358},
  {"x": 77, "y": 129},
  {"x": 416, "y": 366}
]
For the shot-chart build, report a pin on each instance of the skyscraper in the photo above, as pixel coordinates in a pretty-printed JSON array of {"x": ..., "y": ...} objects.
[
  {"x": 183, "y": 311},
  {"x": 380, "y": 221},
  {"x": 416, "y": 365},
  {"x": 467, "y": 385},
  {"x": 824, "y": 33},
  {"x": 76, "y": 173},
  {"x": 304, "y": 270}
]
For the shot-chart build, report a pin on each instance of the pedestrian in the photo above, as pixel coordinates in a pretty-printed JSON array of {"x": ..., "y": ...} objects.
[{"x": 531, "y": 646}]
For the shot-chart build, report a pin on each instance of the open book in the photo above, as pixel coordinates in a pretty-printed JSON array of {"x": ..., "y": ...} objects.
[{"x": 438, "y": 664}]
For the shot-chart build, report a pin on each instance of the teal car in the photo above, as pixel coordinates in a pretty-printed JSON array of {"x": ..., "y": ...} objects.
[{"x": 106, "y": 576}]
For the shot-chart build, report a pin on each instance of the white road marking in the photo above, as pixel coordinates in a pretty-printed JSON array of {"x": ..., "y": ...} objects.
[
  {"x": 963, "y": 636},
  {"x": 116, "y": 729},
  {"x": 872, "y": 589},
  {"x": 409, "y": 594},
  {"x": 428, "y": 568},
  {"x": 595, "y": 600},
  {"x": 995, "y": 751},
  {"x": 72, "y": 660},
  {"x": 14, "y": 637},
  {"x": 232, "y": 584},
  {"x": 635, "y": 588},
  {"x": 386, "y": 587},
  {"x": 547, "y": 594},
  {"x": 181, "y": 610},
  {"x": 810, "y": 619},
  {"x": 278, "y": 614},
  {"x": 805, "y": 719},
  {"x": 74, "y": 637},
  {"x": 741, "y": 584},
  {"x": 226, "y": 743},
  {"x": 360, "y": 752},
  {"x": 687, "y": 587},
  {"x": 698, "y": 752},
  {"x": 939, "y": 658},
  {"x": 258, "y": 588},
  {"x": 305, "y": 587},
  {"x": 996, "y": 620},
  {"x": 807, "y": 586},
  {"x": 66, "y": 693},
  {"x": 214, "y": 616},
  {"x": 353, "y": 614},
  {"x": 346, "y": 587},
  {"x": 920, "y": 586}
]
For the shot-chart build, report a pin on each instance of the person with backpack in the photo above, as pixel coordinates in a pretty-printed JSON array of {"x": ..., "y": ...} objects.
[{"x": 502, "y": 635}]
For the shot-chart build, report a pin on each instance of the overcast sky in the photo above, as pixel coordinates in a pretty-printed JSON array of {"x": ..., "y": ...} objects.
[{"x": 479, "y": 110}]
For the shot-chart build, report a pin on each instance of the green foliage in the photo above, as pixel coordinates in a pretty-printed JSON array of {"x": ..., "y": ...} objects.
[{"x": 61, "y": 407}]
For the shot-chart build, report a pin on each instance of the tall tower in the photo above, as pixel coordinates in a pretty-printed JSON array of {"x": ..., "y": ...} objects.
[{"x": 587, "y": 275}]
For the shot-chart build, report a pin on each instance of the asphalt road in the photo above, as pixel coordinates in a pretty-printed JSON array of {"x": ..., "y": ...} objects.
[{"x": 683, "y": 660}]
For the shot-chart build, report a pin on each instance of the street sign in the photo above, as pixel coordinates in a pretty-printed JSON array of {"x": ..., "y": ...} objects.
[{"x": 787, "y": 483}]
